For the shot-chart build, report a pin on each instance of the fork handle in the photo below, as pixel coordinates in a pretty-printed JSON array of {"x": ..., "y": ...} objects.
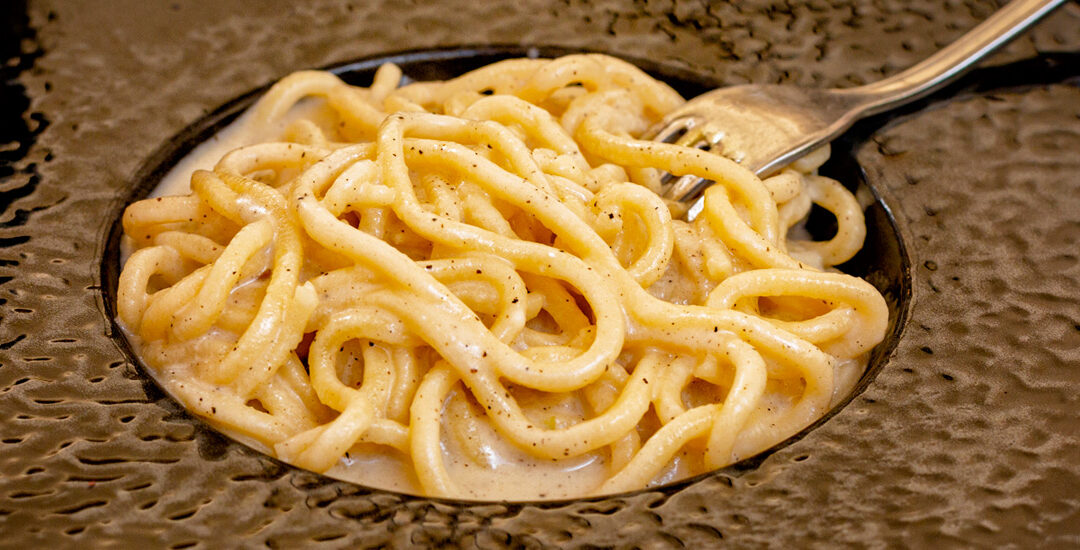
[{"x": 953, "y": 60}]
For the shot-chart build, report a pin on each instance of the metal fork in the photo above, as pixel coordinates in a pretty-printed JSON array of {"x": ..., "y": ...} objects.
[{"x": 766, "y": 127}]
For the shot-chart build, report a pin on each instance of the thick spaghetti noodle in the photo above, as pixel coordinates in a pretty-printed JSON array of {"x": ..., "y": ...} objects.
[{"x": 471, "y": 288}]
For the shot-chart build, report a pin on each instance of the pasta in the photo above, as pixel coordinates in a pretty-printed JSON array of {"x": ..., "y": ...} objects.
[{"x": 473, "y": 289}]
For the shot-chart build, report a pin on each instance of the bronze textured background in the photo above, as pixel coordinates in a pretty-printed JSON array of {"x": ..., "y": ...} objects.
[{"x": 969, "y": 436}]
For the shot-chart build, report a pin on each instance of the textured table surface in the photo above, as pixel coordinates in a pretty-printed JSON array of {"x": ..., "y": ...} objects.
[{"x": 968, "y": 436}]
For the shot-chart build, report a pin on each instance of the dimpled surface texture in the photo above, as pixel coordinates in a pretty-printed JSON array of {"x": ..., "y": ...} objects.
[{"x": 967, "y": 437}]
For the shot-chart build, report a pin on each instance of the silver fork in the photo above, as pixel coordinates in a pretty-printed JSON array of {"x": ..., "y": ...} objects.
[{"x": 766, "y": 127}]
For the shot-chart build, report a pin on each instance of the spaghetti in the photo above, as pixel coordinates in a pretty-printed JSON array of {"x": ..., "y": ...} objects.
[{"x": 472, "y": 288}]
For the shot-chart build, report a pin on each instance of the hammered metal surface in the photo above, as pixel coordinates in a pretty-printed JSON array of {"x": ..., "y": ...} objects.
[{"x": 968, "y": 436}]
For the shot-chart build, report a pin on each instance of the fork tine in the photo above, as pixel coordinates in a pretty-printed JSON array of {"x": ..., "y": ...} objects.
[
  {"x": 696, "y": 138},
  {"x": 671, "y": 132},
  {"x": 684, "y": 131},
  {"x": 687, "y": 187}
]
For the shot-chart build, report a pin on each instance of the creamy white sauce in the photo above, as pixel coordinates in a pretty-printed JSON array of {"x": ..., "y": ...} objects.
[{"x": 239, "y": 133}]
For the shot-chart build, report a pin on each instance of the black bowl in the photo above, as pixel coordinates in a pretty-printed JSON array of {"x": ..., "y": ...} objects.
[{"x": 883, "y": 260}]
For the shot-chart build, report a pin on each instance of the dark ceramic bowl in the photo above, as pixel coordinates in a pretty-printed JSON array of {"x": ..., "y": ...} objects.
[
  {"x": 883, "y": 260},
  {"x": 963, "y": 431}
]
